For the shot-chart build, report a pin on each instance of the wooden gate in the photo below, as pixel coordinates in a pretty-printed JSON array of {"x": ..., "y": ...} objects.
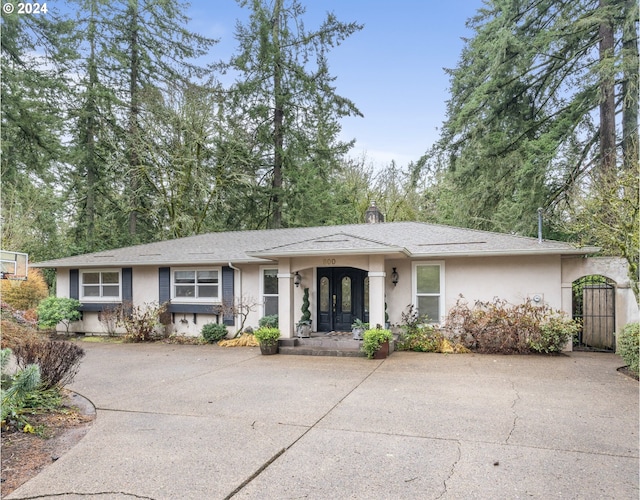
[{"x": 594, "y": 305}]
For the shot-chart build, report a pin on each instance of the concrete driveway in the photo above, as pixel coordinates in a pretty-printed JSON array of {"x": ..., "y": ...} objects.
[{"x": 204, "y": 422}]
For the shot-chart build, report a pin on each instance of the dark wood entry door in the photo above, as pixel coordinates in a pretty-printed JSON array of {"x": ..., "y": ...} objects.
[{"x": 342, "y": 297}]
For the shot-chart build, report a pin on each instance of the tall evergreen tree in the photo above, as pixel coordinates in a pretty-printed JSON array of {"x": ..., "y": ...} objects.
[
  {"x": 531, "y": 108},
  {"x": 143, "y": 47},
  {"x": 34, "y": 57},
  {"x": 284, "y": 96}
]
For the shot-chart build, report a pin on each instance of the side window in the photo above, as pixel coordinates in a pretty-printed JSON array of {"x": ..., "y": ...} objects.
[
  {"x": 428, "y": 290},
  {"x": 270, "y": 291}
]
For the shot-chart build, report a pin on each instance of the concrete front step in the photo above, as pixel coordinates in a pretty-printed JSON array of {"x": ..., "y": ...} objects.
[
  {"x": 302, "y": 350},
  {"x": 322, "y": 346}
]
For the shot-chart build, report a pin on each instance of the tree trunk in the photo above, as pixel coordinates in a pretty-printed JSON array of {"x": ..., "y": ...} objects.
[
  {"x": 630, "y": 88},
  {"x": 607, "y": 100},
  {"x": 134, "y": 111},
  {"x": 91, "y": 131},
  {"x": 278, "y": 118}
]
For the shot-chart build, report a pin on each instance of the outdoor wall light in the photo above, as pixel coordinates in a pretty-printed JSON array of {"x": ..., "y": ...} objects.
[
  {"x": 297, "y": 279},
  {"x": 394, "y": 277}
]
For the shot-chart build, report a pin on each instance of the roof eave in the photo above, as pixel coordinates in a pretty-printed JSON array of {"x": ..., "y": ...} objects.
[
  {"x": 507, "y": 253},
  {"x": 52, "y": 264}
]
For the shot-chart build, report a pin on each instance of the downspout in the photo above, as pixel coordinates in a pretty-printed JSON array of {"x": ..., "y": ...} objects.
[
  {"x": 540, "y": 225},
  {"x": 239, "y": 289}
]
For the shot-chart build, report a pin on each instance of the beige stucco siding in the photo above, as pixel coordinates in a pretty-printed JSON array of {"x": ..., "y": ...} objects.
[
  {"x": 514, "y": 279},
  {"x": 481, "y": 278}
]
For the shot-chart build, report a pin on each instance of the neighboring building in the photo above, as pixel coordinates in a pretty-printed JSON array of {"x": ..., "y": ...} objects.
[{"x": 352, "y": 271}]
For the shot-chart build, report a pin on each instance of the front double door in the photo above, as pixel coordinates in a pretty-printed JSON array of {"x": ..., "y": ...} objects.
[{"x": 342, "y": 297}]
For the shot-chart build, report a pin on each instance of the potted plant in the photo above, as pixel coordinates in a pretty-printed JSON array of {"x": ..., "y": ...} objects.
[
  {"x": 357, "y": 328},
  {"x": 375, "y": 342},
  {"x": 268, "y": 339},
  {"x": 304, "y": 325}
]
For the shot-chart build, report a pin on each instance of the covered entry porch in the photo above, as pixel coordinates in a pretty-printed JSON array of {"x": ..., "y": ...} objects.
[
  {"x": 346, "y": 277},
  {"x": 339, "y": 293}
]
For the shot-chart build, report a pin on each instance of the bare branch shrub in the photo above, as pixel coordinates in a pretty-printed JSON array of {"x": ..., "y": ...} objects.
[
  {"x": 241, "y": 307},
  {"x": 110, "y": 318},
  {"x": 59, "y": 360},
  {"x": 499, "y": 327},
  {"x": 141, "y": 322}
]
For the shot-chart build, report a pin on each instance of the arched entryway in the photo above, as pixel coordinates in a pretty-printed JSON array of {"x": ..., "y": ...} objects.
[
  {"x": 342, "y": 297},
  {"x": 594, "y": 306}
]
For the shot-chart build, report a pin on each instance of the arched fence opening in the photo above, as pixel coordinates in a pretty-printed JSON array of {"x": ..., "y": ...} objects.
[{"x": 594, "y": 306}]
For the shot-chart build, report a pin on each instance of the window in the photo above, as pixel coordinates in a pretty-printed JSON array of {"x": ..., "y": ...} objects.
[
  {"x": 428, "y": 290},
  {"x": 196, "y": 284},
  {"x": 100, "y": 285},
  {"x": 270, "y": 291}
]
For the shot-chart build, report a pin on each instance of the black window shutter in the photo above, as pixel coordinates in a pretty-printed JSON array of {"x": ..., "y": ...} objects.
[
  {"x": 74, "y": 284},
  {"x": 227, "y": 295},
  {"x": 164, "y": 280},
  {"x": 127, "y": 284}
]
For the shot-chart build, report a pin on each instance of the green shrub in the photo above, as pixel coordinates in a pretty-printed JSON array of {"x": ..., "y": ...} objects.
[
  {"x": 269, "y": 321},
  {"x": 372, "y": 339},
  {"x": 422, "y": 339},
  {"x": 554, "y": 334},
  {"x": 629, "y": 345},
  {"x": 22, "y": 393},
  {"x": 213, "y": 332},
  {"x": 54, "y": 310},
  {"x": 267, "y": 335}
]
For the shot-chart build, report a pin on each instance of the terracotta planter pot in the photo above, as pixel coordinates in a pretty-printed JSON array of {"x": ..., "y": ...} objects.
[
  {"x": 269, "y": 348},
  {"x": 383, "y": 351}
]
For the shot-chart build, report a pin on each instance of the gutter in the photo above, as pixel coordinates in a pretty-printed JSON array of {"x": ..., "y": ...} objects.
[{"x": 239, "y": 289}]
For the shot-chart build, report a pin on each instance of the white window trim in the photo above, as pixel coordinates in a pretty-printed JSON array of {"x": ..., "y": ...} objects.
[
  {"x": 414, "y": 286},
  {"x": 196, "y": 300},
  {"x": 114, "y": 299},
  {"x": 261, "y": 285}
]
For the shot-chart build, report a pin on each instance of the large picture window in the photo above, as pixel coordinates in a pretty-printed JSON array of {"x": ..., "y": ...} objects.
[
  {"x": 428, "y": 290},
  {"x": 196, "y": 284},
  {"x": 100, "y": 285},
  {"x": 270, "y": 291}
]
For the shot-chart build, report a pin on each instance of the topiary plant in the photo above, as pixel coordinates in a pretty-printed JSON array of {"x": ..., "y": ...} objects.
[
  {"x": 213, "y": 332},
  {"x": 306, "y": 314},
  {"x": 629, "y": 345}
]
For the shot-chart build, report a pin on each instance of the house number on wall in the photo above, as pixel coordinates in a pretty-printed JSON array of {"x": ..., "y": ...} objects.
[{"x": 329, "y": 262}]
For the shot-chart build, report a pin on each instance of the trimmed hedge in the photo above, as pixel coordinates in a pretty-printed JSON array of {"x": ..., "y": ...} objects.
[{"x": 629, "y": 345}]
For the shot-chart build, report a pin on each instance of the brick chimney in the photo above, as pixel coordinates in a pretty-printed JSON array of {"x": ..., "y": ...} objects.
[{"x": 373, "y": 215}]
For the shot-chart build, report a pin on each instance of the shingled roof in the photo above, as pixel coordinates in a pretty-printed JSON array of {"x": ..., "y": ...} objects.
[{"x": 408, "y": 239}]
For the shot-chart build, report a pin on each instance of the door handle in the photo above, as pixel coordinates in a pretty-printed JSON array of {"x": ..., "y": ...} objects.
[{"x": 334, "y": 303}]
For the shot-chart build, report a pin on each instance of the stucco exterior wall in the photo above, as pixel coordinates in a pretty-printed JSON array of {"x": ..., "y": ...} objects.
[
  {"x": 514, "y": 279},
  {"x": 510, "y": 278}
]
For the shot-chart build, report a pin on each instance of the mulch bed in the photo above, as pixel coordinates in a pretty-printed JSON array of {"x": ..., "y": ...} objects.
[{"x": 24, "y": 455}]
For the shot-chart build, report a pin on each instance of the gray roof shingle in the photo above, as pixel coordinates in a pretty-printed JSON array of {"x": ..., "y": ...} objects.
[{"x": 411, "y": 239}]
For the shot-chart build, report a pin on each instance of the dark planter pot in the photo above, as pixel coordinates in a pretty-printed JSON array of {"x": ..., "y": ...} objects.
[
  {"x": 383, "y": 351},
  {"x": 269, "y": 348}
]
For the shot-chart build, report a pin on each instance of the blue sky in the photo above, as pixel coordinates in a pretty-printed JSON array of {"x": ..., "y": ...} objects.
[{"x": 392, "y": 69}]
